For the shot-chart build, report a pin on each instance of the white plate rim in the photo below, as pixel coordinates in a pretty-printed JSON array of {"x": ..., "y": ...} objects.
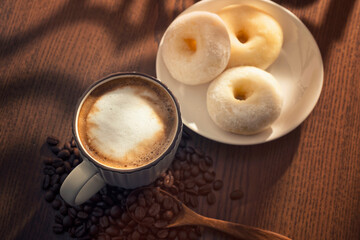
[{"x": 270, "y": 135}]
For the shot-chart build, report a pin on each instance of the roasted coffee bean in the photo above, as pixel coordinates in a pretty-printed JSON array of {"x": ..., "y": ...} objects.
[
  {"x": 217, "y": 184},
  {"x": 107, "y": 200},
  {"x": 76, "y": 152},
  {"x": 73, "y": 142},
  {"x": 58, "y": 228},
  {"x": 181, "y": 155},
  {"x": 60, "y": 170},
  {"x": 48, "y": 161},
  {"x": 55, "y": 149},
  {"x": 82, "y": 215},
  {"x": 209, "y": 176},
  {"x": 236, "y": 194},
  {"x": 101, "y": 204},
  {"x": 63, "y": 154},
  {"x": 49, "y": 170},
  {"x": 185, "y": 166},
  {"x": 112, "y": 231},
  {"x": 211, "y": 199},
  {"x": 56, "y": 204},
  {"x": 75, "y": 162},
  {"x": 195, "y": 171},
  {"x": 142, "y": 201},
  {"x": 167, "y": 203},
  {"x": 63, "y": 210},
  {"x": 51, "y": 140},
  {"x": 204, "y": 190},
  {"x": 191, "y": 191},
  {"x": 186, "y": 174},
  {"x": 189, "y": 184},
  {"x": 200, "y": 181},
  {"x": 55, "y": 188},
  {"x": 135, "y": 235},
  {"x": 80, "y": 231},
  {"x": 104, "y": 222},
  {"x": 162, "y": 233},
  {"x": 59, "y": 218},
  {"x": 125, "y": 217},
  {"x": 195, "y": 159},
  {"x": 176, "y": 165},
  {"x": 168, "y": 215},
  {"x": 172, "y": 233},
  {"x": 93, "y": 230},
  {"x": 168, "y": 180},
  {"x": 154, "y": 209},
  {"x": 142, "y": 229},
  {"x": 67, "y": 166},
  {"x": 148, "y": 221},
  {"x": 54, "y": 179},
  {"x": 49, "y": 196},
  {"x": 67, "y": 221},
  {"x": 203, "y": 166},
  {"x": 72, "y": 212},
  {"x": 115, "y": 211},
  {"x": 57, "y": 162},
  {"x": 46, "y": 182},
  {"x": 94, "y": 219},
  {"x": 63, "y": 177},
  {"x": 67, "y": 146},
  {"x": 160, "y": 223},
  {"x": 189, "y": 149},
  {"x": 139, "y": 213}
]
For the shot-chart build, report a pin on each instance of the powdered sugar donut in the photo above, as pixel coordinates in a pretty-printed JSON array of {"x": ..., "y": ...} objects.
[
  {"x": 196, "y": 47},
  {"x": 256, "y": 37},
  {"x": 244, "y": 100}
]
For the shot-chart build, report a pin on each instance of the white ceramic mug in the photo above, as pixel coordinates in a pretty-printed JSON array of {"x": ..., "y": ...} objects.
[{"x": 90, "y": 176}]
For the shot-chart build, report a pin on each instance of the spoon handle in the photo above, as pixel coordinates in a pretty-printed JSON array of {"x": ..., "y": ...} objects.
[{"x": 241, "y": 231}]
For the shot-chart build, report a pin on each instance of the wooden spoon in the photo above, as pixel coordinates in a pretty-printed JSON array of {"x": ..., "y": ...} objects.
[{"x": 187, "y": 216}]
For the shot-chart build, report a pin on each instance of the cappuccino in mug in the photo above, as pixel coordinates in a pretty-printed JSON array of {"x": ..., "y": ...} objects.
[{"x": 126, "y": 123}]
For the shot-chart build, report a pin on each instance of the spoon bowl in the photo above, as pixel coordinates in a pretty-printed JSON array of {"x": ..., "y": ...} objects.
[{"x": 157, "y": 198}]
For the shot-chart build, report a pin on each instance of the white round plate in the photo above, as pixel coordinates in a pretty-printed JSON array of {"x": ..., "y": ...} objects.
[{"x": 299, "y": 70}]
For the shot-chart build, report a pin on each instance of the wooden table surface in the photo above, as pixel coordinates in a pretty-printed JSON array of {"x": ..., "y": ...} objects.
[{"x": 305, "y": 185}]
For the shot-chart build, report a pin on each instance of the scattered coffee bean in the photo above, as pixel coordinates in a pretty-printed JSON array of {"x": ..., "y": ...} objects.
[
  {"x": 217, "y": 184},
  {"x": 112, "y": 231},
  {"x": 57, "y": 162},
  {"x": 162, "y": 234},
  {"x": 55, "y": 149},
  {"x": 49, "y": 196},
  {"x": 56, "y": 204},
  {"x": 46, "y": 182},
  {"x": 63, "y": 154},
  {"x": 67, "y": 221},
  {"x": 105, "y": 216},
  {"x": 236, "y": 194},
  {"x": 58, "y": 228},
  {"x": 204, "y": 190},
  {"x": 48, "y": 161},
  {"x": 51, "y": 140},
  {"x": 209, "y": 176}
]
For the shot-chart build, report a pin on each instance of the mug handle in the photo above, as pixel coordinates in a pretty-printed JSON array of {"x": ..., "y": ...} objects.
[{"x": 81, "y": 184}]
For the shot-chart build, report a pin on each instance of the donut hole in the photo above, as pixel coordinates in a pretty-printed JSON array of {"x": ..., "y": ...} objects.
[
  {"x": 242, "y": 36},
  {"x": 190, "y": 44},
  {"x": 242, "y": 92}
]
